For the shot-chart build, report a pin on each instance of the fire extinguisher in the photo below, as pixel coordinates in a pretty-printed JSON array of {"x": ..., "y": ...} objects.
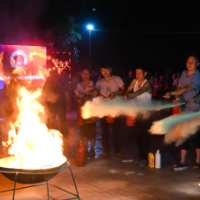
[
  {"x": 80, "y": 119},
  {"x": 130, "y": 120},
  {"x": 80, "y": 156},
  {"x": 177, "y": 109},
  {"x": 110, "y": 119}
]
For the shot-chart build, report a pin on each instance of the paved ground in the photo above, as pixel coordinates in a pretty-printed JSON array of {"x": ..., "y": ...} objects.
[{"x": 112, "y": 179}]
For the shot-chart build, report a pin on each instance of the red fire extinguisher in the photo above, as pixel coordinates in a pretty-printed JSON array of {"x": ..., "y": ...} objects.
[
  {"x": 110, "y": 119},
  {"x": 130, "y": 120},
  {"x": 80, "y": 119},
  {"x": 80, "y": 156},
  {"x": 177, "y": 109}
]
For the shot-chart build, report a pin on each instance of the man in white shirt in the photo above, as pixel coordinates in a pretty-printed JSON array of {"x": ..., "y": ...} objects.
[{"x": 110, "y": 87}]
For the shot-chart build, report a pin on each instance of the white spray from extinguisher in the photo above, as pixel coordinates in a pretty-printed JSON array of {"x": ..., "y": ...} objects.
[{"x": 158, "y": 160}]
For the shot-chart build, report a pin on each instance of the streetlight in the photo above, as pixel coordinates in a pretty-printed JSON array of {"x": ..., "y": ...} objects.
[{"x": 90, "y": 28}]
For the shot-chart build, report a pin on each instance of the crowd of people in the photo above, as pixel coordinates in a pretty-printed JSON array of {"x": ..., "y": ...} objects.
[
  {"x": 140, "y": 85},
  {"x": 160, "y": 83}
]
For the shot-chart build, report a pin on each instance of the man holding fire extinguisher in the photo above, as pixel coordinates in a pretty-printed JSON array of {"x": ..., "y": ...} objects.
[
  {"x": 110, "y": 87},
  {"x": 87, "y": 127},
  {"x": 188, "y": 88}
]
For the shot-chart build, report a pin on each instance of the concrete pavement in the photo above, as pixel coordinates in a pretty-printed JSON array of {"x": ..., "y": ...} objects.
[{"x": 112, "y": 179}]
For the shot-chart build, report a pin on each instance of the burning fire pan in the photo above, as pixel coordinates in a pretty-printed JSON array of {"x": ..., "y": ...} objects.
[
  {"x": 34, "y": 176},
  {"x": 30, "y": 176}
]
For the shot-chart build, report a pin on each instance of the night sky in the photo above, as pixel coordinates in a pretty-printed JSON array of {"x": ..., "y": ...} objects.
[{"x": 132, "y": 33}]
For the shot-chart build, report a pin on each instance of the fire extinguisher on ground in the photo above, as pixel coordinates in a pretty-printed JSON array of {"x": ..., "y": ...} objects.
[{"x": 80, "y": 156}]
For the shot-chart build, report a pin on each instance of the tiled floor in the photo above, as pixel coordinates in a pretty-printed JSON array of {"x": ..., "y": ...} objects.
[{"x": 103, "y": 179}]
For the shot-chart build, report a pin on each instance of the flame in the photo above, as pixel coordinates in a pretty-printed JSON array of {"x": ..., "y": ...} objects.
[
  {"x": 38, "y": 54},
  {"x": 33, "y": 145},
  {"x": 58, "y": 64}
]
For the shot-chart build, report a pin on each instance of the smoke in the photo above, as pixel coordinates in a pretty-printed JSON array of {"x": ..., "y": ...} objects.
[
  {"x": 177, "y": 128},
  {"x": 119, "y": 106}
]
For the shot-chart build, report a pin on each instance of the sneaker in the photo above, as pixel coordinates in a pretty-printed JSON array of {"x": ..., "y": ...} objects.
[
  {"x": 142, "y": 163},
  {"x": 180, "y": 166},
  {"x": 104, "y": 155}
]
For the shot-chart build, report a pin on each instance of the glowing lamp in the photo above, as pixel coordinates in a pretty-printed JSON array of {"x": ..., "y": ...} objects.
[{"x": 90, "y": 27}]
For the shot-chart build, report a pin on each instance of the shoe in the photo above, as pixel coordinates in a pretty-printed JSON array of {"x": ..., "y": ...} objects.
[
  {"x": 142, "y": 163},
  {"x": 104, "y": 155},
  {"x": 119, "y": 155},
  {"x": 179, "y": 166},
  {"x": 196, "y": 166}
]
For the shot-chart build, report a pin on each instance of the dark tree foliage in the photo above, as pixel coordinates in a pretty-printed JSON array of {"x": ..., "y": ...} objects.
[{"x": 70, "y": 36}]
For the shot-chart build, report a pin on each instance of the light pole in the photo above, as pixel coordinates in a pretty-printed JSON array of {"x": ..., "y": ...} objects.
[{"x": 90, "y": 28}]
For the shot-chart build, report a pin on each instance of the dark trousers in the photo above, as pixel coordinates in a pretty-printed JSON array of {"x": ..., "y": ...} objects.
[
  {"x": 61, "y": 112},
  {"x": 195, "y": 139},
  {"x": 142, "y": 135},
  {"x": 116, "y": 134}
]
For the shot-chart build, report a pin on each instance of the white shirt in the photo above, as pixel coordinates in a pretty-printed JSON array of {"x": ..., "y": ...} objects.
[
  {"x": 105, "y": 88},
  {"x": 144, "y": 97},
  {"x": 80, "y": 91}
]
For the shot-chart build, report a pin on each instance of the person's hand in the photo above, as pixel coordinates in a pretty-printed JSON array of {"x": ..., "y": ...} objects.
[
  {"x": 95, "y": 92},
  {"x": 80, "y": 101},
  {"x": 112, "y": 95},
  {"x": 125, "y": 96},
  {"x": 89, "y": 92},
  {"x": 167, "y": 95}
]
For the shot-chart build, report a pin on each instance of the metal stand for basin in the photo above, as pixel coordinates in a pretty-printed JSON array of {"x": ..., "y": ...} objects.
[{"x": 47, "y": 184}]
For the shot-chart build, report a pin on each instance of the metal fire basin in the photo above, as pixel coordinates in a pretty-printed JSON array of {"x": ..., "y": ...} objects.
[
  {"x": 35, "y": 176},
  {"x": 32, "y": 176}
]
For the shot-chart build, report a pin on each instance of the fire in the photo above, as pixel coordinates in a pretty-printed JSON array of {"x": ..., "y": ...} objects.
[
  {"x": 38, "y": 54},
  {"x": 33, "y": 145},
  {"x": 58, "y": 64}
]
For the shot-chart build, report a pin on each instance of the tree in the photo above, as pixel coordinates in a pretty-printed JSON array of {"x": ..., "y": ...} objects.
[{"x": 70, "y": 36}]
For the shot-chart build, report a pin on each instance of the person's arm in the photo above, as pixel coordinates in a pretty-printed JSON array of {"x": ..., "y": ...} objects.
[
  {"x": 179, "y": 87},
  {"x": 120, "y": 85},
  {"x": 180, "y": 91},
  {"x": 130, "y": 87},
  {"x": 76, "y": 95},
  {"x": 87, "y": 97},
  {"x": 78, "y": 99},
  {"x": 92, "y": 91},
  {"x": 193, "y": 99},
  {"x": 43, "y": 96},
  {"x": 143, "y": 89},
  {"x": 121, "y": 92},
  {"x": 95, "y": 90}
]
